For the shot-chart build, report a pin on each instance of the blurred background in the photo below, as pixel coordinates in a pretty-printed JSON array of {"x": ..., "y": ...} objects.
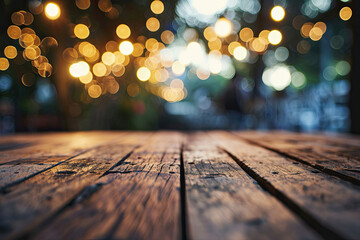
[{"x": 186, "y": 64}]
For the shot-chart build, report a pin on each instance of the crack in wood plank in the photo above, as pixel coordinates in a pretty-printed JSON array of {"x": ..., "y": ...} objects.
[
  {"x": 46, "y": 197},
  {"x": 324, "y": 231},
  {"x": 117, "y": 208},
  {"x": 225, "y": 203},
  {"x": 319, "y": 167},
  {"x": 333, "y": 203}
]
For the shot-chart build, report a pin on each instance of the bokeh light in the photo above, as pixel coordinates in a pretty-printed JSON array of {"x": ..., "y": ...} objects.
[
  {"x": 305, "y": 29},
  {"x": 223, "y": 27},
  {"x": 232, "y": 47},
  {"x": 315, "y": 34},
  {"x": 31, "y": 53},
  {"x": 83, "y": 4},
  {"x": 157, "y": 7},
  {"x": 17, "y": 18},
  {"x": 209, "y": 34},
  {"x": 28, "y": 18},
  {"x": 178, "y": 68},
  {"x": 240, "y": 53},
  {"x": 123, "y": 31},
  {"x": 172, "y": 50},
  {"x": 81, "y": 31},
  {"x": 298, "y": 79},
  {"x": 258, "y": 45},
  {"x": 10, "y": 52},
  {"x": 277, "y": 13},
  {"x": 126, "y": 47},
  {"x": 345, "y": 13},
  {"x": 45, "y": 69},
  {"x": 108, "y": 58},
  {"x": 99, "y": 69},
  {"x": 167, "y": 37},
  {"x": 275, "y": 37},
  {"x": 86, "y": 78},
  {"x": 79, "y": 69},
  {"x": 152, "y": 24},
  {"x": 195, "y": 52},
  {"x": 105, "y": 5},
  {"x": 143, "y": 74},
  {"x": 14, "y": 32},
  {"x": 28, "y": 79},
  {"x": 70, "y": 54},
  {"x": 138, "y": 49},
  {"x": 342, "y": 68},
  {"x": 246, "y": 34},
  {"x": 94, "y": 91},
  {"x": 52, "y": 11},
  {"x": 4, "y": 64},
  {"x": 208, "y": 7},
  {"x": 278, "y": 77}
]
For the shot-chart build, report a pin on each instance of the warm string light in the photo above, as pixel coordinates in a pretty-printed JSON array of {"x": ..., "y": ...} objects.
[
  {"x": 275, "y": 37},
  {"x": 143, "y": 74},
  {"x": 345, "y": 13},
  {"x": 313, "y": 31},
  {"x": 277, "y": 13},
  {"x": 123, "y": 31},
  {"x": 157, "y": 7},
  {"x": 79, "y": 69},
  {"x": 34, "y": 48},
  {"x": 153, "y": 61},
  {"x": 81, "y": 31},
  {"x": 223, "y": 27},
  {"x": 52, "y": 11},
  {"x": 113, "y": 62}
]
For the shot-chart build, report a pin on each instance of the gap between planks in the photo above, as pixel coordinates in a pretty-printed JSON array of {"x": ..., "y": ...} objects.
[
  {"x": 307, "y": 217},
  {"x": 323, "y": 169},
  {"x": 4, "y": 188},
  {"x": 324, "y": 221},
  {"x": 311, "y": 221},
  {"x": 85, "y": 194},
  {"x": 84, "y": 191}
]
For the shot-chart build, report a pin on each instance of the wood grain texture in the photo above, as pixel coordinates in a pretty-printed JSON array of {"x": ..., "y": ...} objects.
[
  {"x": 33, "y": 201},
  {"x": 174, "y": 185},
  {"x": 139, "y": 198},
  {"x": 225, "y": 203},
  {"x": 48, "y": 145},
  {"x": 337, "y": 155},
  {"x": 50, "y": 150},
  {"x": 325, "y": 202}
]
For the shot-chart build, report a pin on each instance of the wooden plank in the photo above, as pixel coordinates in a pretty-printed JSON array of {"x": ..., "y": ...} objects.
[
  {"x": 35, "y": 200},
  {"x": 47, "y": 145},
  {"x": 139, "y": 199},
  {"x": 340, "y": 144},
  {"x": 225, "y": 203},
  {"x": 337, "y": 156},
  {"x": 25, "y": 163},
  {"x": 329, "y": 205},
  {"x": 29, "y": 140}
]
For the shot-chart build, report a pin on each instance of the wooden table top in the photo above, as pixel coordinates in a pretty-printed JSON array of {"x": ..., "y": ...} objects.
[{"x": 176, "y": 185}]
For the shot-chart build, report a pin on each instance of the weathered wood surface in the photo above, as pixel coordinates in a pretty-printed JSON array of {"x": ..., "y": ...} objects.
[
  {"x": 328, "y": 204},
  {"x": 225, "y": 203},
  {"x": 336, "y": 156},
  {"x": 173, "y": 185},
  {"x": 43, "y": 152},
  {"x": 36, "y": 199},
  {"x": 139, "y": 198}
]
